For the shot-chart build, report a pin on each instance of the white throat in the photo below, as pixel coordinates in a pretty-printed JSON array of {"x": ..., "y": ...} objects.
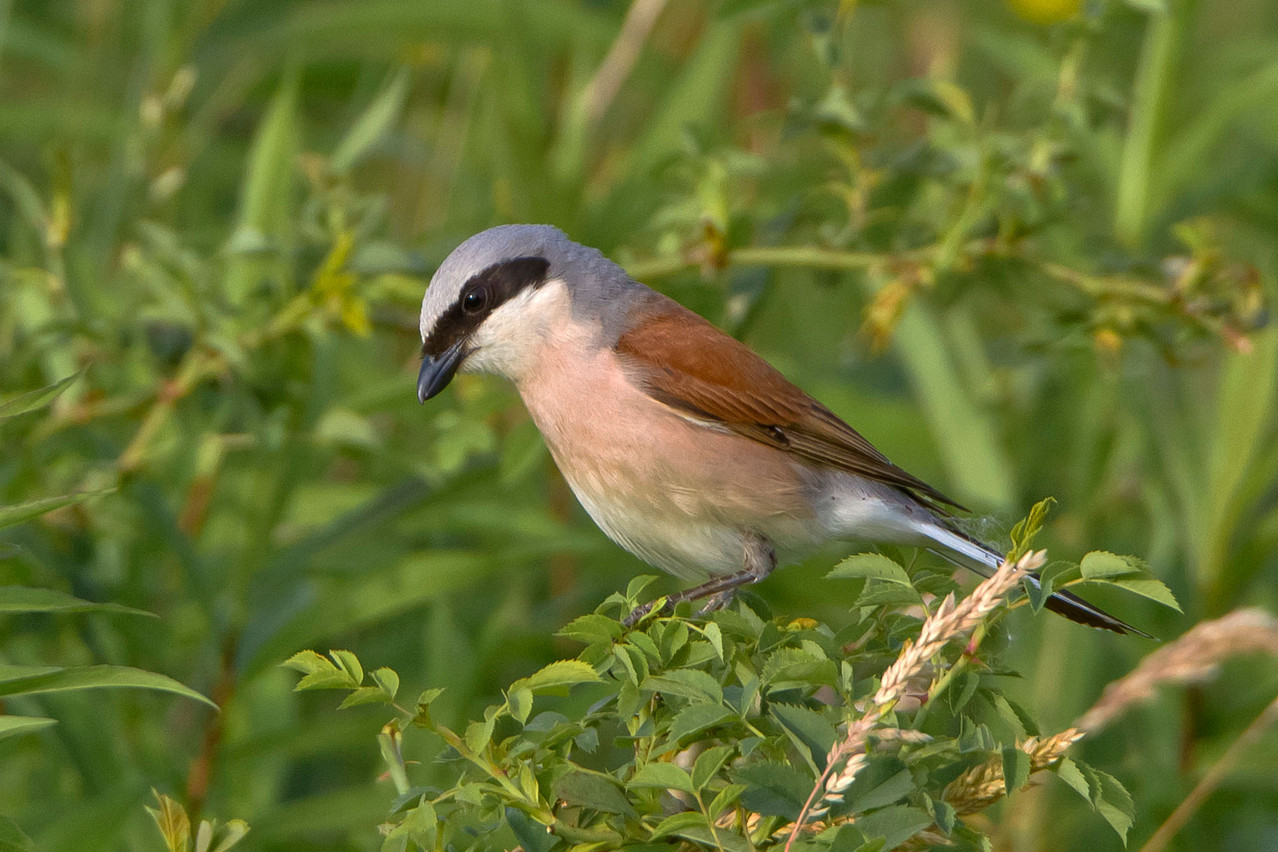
[{"x": 517, "y": 336}]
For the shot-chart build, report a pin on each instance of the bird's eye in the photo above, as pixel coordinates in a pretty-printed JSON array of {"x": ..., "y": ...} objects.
[{"x": 475, "y": 301}]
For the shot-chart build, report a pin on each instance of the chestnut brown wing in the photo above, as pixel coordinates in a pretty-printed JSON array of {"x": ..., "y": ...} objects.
[{"x": 681, "y": 360}]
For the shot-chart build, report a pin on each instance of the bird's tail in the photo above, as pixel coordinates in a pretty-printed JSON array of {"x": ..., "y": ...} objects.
[{"x": 971, "y": 554}]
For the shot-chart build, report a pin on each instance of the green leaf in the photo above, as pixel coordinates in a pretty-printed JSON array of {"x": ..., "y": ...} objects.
[
  {"x": 692, "y": 684},
  {"x": 883, "y": 782},
  {"x": 663, "y": 776},
  {"x": 309, "y": 662},
  {"x": 173, "y": 823},
  {"x": 558, "y": 675},
  {"x": 774, "y": 789},
  {"x": 593, "y": 790},
  {"x": 1067, "y": 770},
  {"x": 1148, "y": 587},
  {"x": 708, "y": 764},
  {"x": 715, "y": 636},
  {"x": 232, "y": 833},
  {"x": 532, "y": 835},
  {"x": 1024, "y": 532},
  {"x": 387, "y": 680},
  {"x": 373, "y": 124},
  {"x": 592, "y": 629},
  {"x": 30, "y": 680},
  {"x": 1114, "y": 803},
  {"x": 365, "y": 695},
  {"x": 28, "y": 599},
  {"x": 521, "y": 704},
  {"x": 1016, "y": 769},
  {"x": 676, "y": 824},
  {"x": 808, "y": 728},
  {"x": 1102, "y": 565},
  {"x": 349, "y": 663},
  {"x": 895, "y": 825},
  {"x": 36, "y": 399},
  {"x": 696, "y": 718},
  {"x": 874, "y": 566},
  {"x": 10, "y": 515},
  {"x": 11, "y": 726}
]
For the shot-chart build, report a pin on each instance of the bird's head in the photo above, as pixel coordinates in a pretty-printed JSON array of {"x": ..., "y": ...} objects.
[{"x": 504, "y": 294}]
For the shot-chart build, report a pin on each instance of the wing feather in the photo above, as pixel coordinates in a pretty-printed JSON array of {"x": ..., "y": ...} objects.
[{"x": 682, "y": 361}]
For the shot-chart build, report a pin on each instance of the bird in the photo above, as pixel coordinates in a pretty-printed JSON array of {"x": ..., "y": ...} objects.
[{"x": 685, "y": 447}]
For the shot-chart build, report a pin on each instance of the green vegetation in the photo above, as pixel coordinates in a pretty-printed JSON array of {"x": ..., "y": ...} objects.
[{"x": 1025, "y": 251}]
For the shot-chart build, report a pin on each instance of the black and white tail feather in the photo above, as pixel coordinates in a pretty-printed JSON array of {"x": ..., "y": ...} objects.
[{"x": 967, "y": 552}]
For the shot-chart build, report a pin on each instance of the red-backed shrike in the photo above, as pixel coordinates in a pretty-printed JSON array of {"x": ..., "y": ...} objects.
[{"x": 686, "y": 448}]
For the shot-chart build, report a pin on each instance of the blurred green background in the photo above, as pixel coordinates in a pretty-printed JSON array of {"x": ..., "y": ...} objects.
[{"x": 1024, "y": 249}]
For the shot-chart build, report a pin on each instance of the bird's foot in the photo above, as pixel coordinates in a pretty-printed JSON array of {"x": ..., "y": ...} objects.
[{"x": 717, "y": 602}]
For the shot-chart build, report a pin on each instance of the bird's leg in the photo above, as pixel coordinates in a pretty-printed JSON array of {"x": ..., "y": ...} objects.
[{"x": 760, "y": 559}]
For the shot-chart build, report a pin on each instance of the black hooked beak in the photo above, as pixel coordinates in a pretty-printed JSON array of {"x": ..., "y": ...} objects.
[{"x": 436, "y": 373}]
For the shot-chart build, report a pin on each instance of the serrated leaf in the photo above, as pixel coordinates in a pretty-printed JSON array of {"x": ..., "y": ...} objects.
[
  {"x": 1026, "y": 529},
  {"x": 592, "y": 629},
  {"x": 774, "y": 789},
  {"x": 673, "y": 825},
  {"x": 883, "y": 782},
  {"x": 532, "y": 835},
  {"x": 558, "y": 675},
  {"x": 692, "y": 684},
  {"x": 349, "y": 663},
  {"x": 11, "y": 726},
  {"x": 1067, "y": 770},
  {"x": 1016, "y": 769},
  {"x": 30, "y": 680},
  {"x": 1148, "y": 587},
  {"x": 696, "y": 718},
  {"x": 870, "y": 566},
  {"x": 895, "y": 824},
  {"x": 1102, "y": 565},
  {"x": 943, "y": 814},
  {"x": 11, "y": 515},
  {"x": 708, "y": 764},
  {"x": 36, "y": 399},
  {"x": 387, "y": 679},
  {"x": 636, "y": 586},
  {"x": 809, "y": 728},
  {"x": 29, "y": 599},
  {"x": 332, "y": 679},
  {"x": 795, "y": 665},
  {"x": 663, "y": 776},
  {"x": 309, "y": 662},
  {"x": 521, "y": 704},
  {"x": 593, "y": 790},
  {"x": 365, "y": 695},
  {"x": 1115, "y": 804},
  {"x": 478, "y": 734},
  {"x": 715, "y": 636}
]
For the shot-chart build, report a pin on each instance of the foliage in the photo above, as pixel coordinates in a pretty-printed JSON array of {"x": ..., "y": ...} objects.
[
  {"x": 1021, "y": 259},
  {"x": 716, "y": 733}
]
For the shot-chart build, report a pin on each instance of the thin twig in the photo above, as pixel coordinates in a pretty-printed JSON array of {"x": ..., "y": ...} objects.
[{"x": 621, "y": 58}]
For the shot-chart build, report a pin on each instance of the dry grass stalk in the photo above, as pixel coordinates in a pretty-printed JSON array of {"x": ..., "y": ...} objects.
[
  {"x": 981, "y": 786},
  {"x": 1193, "y": 657},
  {"x": 950, "y": 621}
]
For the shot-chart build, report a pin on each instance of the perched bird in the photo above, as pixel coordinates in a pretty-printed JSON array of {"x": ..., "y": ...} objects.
[{"x": 684, "y": 446}]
